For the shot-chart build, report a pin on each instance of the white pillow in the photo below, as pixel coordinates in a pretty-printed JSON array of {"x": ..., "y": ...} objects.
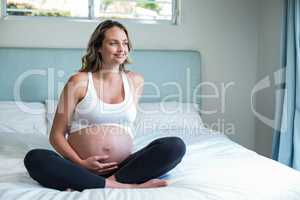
[
  {"x": 23, "y": 117},
  {"x": 16, "y": 145},
  {"x": 173, "y": 115},
  {"x": 153, "y": 116}
]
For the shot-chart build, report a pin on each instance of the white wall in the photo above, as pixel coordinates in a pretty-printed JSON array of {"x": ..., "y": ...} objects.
[
  {"x": 227, "y": 38},
  {"x": 270, "y": 25},
  {"x": 224, "y": 31}
]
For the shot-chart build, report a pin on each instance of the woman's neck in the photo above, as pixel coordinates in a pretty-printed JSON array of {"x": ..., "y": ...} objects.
[{"x": 108, "y": 73}]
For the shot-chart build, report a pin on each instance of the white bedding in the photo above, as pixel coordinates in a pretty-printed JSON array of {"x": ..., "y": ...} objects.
[{"x": 214, "y": 167}]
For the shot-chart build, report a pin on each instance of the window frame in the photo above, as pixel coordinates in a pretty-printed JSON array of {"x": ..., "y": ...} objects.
[{"x": 175, "y": 19}]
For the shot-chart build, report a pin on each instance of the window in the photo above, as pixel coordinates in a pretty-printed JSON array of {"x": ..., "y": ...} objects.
[
  {"x": 151, "y": 10},
  {"x": 57, "y": 8}
]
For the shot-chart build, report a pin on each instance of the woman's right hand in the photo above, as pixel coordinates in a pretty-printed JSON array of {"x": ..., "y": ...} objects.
[{"x": 96, "y": 164}]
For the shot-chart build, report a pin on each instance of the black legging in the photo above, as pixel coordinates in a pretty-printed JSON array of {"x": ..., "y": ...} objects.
[{"x": 152, "y": 161}]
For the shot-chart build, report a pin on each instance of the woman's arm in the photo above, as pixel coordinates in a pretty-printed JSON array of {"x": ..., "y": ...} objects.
[
  {"x": 69, "y": 97},
  {"x": 138, "y": 83}
]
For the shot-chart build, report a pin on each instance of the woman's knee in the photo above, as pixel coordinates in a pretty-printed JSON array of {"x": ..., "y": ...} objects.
[
  {"x": 174, "y": 147},
  {"x": 36, "y": 158}
]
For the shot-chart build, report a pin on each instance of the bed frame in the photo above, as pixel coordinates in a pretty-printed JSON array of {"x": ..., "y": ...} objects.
[{"x": 36, "y": 74}]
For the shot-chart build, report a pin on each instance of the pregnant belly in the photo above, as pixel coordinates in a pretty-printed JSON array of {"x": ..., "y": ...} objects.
[{"x": 110, "y": 140}]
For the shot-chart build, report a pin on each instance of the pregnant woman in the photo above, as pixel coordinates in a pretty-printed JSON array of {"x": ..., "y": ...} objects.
[{"x": 92, "y": 125}]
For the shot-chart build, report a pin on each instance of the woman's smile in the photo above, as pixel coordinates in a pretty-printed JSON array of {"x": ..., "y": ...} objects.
[{"x": 119, "y": 55}]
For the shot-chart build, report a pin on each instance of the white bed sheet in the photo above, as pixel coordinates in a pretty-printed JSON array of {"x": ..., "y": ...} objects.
[{"x": 214, "y": 168}]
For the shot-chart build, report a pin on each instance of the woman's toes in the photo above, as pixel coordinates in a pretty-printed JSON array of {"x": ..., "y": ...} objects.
[{"x": 153, "y": 183}]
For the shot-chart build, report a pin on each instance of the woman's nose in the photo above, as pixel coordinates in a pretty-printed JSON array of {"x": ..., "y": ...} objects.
[{"x": 120, "y": 48}]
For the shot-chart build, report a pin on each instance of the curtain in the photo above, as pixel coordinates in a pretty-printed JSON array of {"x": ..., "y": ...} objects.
[{"x": 286, "y": 138}]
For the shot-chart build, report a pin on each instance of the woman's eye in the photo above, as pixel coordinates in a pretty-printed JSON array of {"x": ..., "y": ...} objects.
[{"x": 115, "y": 44}]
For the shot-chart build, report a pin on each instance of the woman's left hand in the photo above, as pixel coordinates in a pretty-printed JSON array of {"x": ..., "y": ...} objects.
[
  {"x": 96, "y": 164},
  {"x": 107, "y": 167}
]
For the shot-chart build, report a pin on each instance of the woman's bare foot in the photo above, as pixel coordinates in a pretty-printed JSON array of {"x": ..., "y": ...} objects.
[
  {"x": 153, "y": 183},
  {"x": 112, "y": 183}
]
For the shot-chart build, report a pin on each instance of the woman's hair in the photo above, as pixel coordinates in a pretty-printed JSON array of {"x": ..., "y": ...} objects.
[{"x": 91, "y": 61}]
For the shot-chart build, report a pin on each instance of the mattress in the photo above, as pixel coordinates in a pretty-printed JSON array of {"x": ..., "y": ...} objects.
[{"x": 213, "y": 168}]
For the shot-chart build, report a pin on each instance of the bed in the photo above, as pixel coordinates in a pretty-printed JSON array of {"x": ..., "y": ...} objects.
[{"x": 213, "y": 168}]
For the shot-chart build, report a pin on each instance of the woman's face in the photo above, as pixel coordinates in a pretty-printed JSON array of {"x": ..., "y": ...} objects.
[{"x": 114, "y": 48}]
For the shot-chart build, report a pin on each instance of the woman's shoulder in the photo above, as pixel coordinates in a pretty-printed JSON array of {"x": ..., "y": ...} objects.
[
  {"x": 78, "y": 77},
  {"x": 77, "y": 83},
  {"x": 135, "y": 76}
]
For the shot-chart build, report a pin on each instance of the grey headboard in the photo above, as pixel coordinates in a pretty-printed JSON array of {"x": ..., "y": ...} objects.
[{"x": 36, "y": 74}]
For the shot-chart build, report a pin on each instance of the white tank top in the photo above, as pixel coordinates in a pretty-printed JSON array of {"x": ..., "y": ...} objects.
[{"x": 92, "y": 111}]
